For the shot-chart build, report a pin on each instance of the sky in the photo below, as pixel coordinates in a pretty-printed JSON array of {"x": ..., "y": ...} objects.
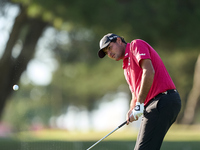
[{"x": 40, "y": 69}]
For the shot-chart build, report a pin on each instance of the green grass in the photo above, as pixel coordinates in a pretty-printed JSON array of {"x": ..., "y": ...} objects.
[
  {"x": 178, "y": 138},
  {"x": 79, "y": 145},
  {"x": 176, "y": 133}
]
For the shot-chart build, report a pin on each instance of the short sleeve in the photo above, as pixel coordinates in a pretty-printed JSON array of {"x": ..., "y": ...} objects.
[{"x": 140, "y": 50}]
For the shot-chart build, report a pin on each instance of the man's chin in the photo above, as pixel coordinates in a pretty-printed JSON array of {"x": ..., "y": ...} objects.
[{"x": 116, "y": 59}]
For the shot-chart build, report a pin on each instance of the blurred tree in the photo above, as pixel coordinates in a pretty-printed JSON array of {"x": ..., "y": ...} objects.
[
  {"x": 172, "y": 25},
  {"x": 29, "y": 31},
  {"x": 193, "y": 98}
]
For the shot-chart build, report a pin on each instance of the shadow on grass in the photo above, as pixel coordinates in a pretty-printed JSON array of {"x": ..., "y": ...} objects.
[{"x": 104, "y": 145}]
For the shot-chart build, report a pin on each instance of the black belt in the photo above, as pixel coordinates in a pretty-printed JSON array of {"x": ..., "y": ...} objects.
[{"x": 165, "y": 93}]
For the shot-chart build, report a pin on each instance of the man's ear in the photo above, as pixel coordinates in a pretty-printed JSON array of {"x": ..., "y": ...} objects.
[{"x": 119, "y": 40}]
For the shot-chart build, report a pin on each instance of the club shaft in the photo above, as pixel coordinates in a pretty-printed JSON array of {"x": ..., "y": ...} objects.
[{"x": 107, "y": 135}]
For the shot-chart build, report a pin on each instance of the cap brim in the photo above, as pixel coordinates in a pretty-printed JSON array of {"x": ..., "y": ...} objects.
[{"x": 101, "y": 54}]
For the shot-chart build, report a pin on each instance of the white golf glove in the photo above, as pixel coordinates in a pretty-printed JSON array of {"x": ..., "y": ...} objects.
[{"x": 138, "y": 110}]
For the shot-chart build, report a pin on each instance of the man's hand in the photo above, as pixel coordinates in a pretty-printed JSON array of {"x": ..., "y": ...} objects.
[
  {"x": 133, "y": 115},
  {"x": 138, "y": 110},
  {"x": 128, "y": 116}
]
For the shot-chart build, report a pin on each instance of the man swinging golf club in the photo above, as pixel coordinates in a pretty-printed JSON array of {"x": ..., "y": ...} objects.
[{"x": 154, "y": 94}]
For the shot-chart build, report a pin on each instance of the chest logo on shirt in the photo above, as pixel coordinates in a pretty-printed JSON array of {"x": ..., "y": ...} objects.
[{"x": 143, "y": 54}]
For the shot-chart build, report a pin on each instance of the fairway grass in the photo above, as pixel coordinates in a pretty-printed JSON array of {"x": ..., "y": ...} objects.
[
  {"x": 176, "y": 133},
  {"x": 178, "y": 138}
]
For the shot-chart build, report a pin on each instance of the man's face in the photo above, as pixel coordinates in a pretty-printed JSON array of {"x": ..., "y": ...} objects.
[{"x": 115, "y": 50}]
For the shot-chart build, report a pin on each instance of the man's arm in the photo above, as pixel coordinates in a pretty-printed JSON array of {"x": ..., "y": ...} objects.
[
  {"x": 133, "y": 101},
  {"x": 146, "y": 83},
  {"x": 132, "y": 105},
  {"x": 147, "y": 79}
]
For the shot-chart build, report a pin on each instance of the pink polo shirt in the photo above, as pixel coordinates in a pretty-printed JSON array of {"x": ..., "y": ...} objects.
[{"x": 136, "y": 51}]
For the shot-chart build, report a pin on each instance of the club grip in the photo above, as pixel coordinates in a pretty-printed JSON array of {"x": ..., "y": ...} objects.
[{"x": 122, "y": 124}]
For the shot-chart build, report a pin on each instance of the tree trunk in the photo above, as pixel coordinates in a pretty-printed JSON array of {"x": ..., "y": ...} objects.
[
  {"x": 12, "y": 68},
  {"x": 193, "y": 98}
]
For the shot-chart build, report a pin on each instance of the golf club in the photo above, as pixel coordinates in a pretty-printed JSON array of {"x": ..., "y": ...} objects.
[{"x": 107, "y": 135}]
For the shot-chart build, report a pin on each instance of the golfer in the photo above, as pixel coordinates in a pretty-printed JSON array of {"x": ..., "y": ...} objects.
[{"x": 154, "y": 95}]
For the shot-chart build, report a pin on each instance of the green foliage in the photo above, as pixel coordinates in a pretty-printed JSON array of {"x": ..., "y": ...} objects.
[
  {"x": 29, "y": 106},
  {"x": 172, "y": 26},
  {"x": 167, "y": 23},
  {"x": 83, "y": 84},
  {"x": 180, "y": 65}
]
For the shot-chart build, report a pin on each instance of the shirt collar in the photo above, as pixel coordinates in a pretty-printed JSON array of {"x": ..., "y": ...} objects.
[
  {"x": 126, "y": 55},
  {"x": 127, "y": 51}
]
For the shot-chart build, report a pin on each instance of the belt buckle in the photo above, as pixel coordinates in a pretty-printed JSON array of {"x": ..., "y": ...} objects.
[{"x": 164, "y": 92}]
